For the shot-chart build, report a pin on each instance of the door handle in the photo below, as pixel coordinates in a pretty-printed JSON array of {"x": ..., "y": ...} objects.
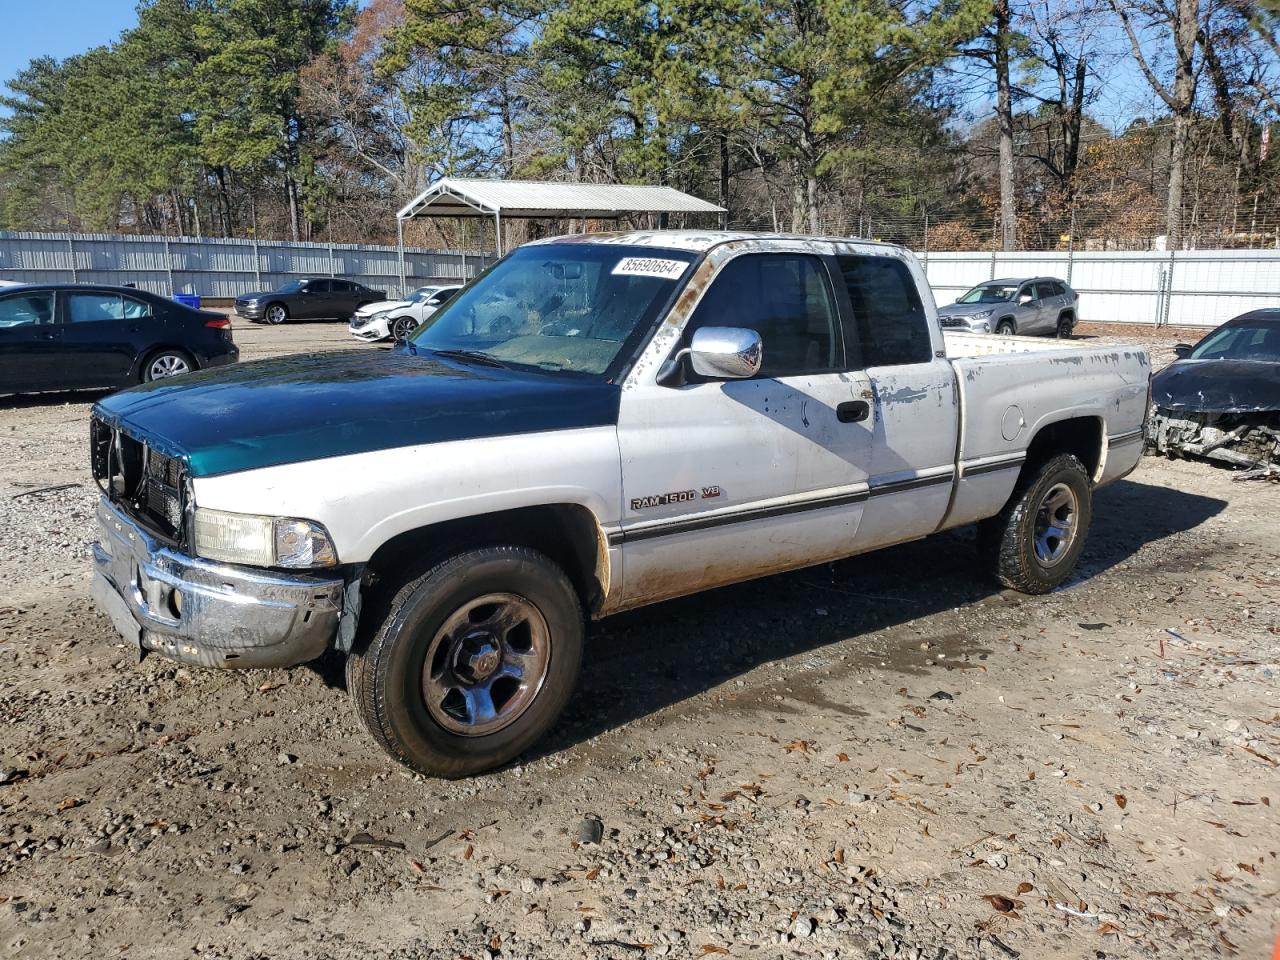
[
  {"x": 49, "y": 334},
  {"x": 853, "y": 411}
]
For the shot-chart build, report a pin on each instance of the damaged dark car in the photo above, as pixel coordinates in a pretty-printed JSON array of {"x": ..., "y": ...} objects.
[{"x": 1220, "y": 400}]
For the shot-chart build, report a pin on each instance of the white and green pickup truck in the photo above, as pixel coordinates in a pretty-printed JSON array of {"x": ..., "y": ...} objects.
[{"x": 596, "y": 423}]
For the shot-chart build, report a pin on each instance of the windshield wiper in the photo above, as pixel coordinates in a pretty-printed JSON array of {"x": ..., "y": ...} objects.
[{"x": 475, "y": 356}]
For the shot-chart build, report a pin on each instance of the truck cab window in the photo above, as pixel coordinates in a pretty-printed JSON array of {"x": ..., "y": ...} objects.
[
  {"x": 787, "y": 299},
  {"x": 890, "y": 317}
]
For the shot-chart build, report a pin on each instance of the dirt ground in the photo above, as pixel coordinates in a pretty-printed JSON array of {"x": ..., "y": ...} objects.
[{"x": 883, "y": 757}]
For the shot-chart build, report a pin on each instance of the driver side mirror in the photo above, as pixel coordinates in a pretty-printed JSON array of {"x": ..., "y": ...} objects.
[
  {"x": 1182, "y": 350},
  {"x": 730, "y": 353}
]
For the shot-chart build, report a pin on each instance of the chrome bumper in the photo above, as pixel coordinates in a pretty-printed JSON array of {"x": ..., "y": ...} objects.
[{"x": 208, "y": 614}]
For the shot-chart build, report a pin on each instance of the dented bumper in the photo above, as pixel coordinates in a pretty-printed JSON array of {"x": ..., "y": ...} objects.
[{"x": 204, "y": 613}]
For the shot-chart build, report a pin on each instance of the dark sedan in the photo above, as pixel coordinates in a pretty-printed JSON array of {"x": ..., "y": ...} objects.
[
  {"x": 317, "y": 298},
  {"x": 1221, "y": 398},
  {"x": 81, "y": 336}
]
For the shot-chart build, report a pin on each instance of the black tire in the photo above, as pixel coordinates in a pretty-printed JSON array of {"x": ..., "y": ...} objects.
[
  {"x": 1065, "y": 324},
  {"x": 385, "y": 675},
  {"x": 1008, "y": 541},
  {"x": 276, "y": 313},
  {"x": 171, "y": 357},
  {"x": 401, "y": 327},
  {"x": 1005, "y": 328}
]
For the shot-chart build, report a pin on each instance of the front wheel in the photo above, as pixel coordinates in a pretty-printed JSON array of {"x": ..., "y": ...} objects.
[
  {"x": 472, "y": 663},
  {"x": 277, "y": 313},
  {"x": 1005, "y": 328},
  {"x": 1033, "y": 544},
  {"x": 401, "y": 327}
]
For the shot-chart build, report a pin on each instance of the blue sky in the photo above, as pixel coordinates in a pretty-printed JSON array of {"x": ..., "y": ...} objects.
[{"x": 57, "y": 28}]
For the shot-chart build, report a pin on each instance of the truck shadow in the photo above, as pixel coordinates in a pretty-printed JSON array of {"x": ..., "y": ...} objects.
[
  {"x": 639, "y": 663},
  {"x": 51, "y": 398}
]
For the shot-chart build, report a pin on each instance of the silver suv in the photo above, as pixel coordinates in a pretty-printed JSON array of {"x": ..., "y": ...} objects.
[{"x": 1041, "y": 306}]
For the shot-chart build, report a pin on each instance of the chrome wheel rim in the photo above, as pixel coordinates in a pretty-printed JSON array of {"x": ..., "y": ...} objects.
[
  {"x": 167, "y": 365},
  {"x": 403, "y": 327},
  {"x": 486, "y": 664},
  {"x": 1055, "y": 529},
  {"x": 275, "y": 314}
]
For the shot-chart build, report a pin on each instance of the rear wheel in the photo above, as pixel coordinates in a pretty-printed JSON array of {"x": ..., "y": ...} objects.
[
  {"x": 472, "y": 663},
  {"x": 401, "y": 327},
  {"x": 166, "y": 363},
  {"x": 277, "y": 313},
  {"x": 1005, "y": 328},
  {"x": 1033, "y": 544},
  {"x": 1065, "y": 323}
]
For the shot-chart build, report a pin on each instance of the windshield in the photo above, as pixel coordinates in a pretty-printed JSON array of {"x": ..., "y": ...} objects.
[
  {"x": 566, "y": 307},
  {"x": 421, "y": 294},
  {"x": 1260, "y": 342},
  {"x": 990, "y": 293},
  {"x": 293, "y": 286}
]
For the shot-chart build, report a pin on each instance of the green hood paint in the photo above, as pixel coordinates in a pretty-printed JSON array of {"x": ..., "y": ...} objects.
[{"x": 300, "y": 408}]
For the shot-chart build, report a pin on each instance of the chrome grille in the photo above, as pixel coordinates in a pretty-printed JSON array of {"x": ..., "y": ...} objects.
[{"x": 952, "y": 322}]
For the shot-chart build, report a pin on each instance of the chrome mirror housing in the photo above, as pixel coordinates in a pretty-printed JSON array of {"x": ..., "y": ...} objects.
[{"x": 733, "y": 353}]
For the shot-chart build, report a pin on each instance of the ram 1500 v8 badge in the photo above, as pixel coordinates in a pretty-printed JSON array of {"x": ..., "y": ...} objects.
[{"x": 596, "y": 423}]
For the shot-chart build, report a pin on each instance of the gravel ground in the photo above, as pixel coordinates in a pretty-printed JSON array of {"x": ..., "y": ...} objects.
[{"x": 883, "y": 757}]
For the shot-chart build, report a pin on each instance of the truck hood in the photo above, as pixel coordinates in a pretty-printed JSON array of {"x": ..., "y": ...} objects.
[
  {"x": 969, "y": 309},
  {"x": 299, "y": 408},
  {"x": 1218, "y": 386}
]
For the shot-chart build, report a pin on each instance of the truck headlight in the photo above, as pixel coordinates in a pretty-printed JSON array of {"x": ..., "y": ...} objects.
[
  {"x": 262, "y": 541},
  {"x": 981, "y": 315}
]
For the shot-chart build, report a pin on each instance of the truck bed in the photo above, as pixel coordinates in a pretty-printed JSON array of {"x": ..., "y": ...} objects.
[{"x": 1013, "y": 388}]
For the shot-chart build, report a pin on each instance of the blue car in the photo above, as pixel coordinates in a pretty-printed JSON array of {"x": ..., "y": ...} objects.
[{"x": 82, "y": 336}]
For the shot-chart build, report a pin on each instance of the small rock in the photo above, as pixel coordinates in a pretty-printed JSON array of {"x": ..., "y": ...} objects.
[
  {"x": 998, "y": 860},
  {"x": 802, "y": 927},
  {"x": 284, "y": 759},
  {"x": 941, "y": 695},
  {"x": 590, "y": 830}
]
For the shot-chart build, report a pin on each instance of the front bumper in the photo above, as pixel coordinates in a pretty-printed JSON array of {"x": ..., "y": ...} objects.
[
  {"x": 370, "y": 332},
  {"x": 964, "y": 324},
  {"x": 205, "y": 613},
  {"x": 250, "y": 311}
]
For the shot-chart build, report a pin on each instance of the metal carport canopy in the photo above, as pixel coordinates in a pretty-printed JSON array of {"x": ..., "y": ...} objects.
[{"x": 453, "y": 197}]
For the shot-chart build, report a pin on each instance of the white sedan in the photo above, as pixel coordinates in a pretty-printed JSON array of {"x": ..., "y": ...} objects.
[{"x": 399, "y": 318}]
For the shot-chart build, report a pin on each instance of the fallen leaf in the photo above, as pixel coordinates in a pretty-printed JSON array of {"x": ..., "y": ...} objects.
[
  {"x": 1248, "y": 868},
  {"x": 1121, "y": 801},
  {"x": 417, "y": 866},
  {"x": 70, "y": 802},
  {"x": 467, "y": 853},
  {"x": 1107, "y": 928},
  {"x": 1003, "y": 904},
  {"x": 801, "y": 745},
  {"x": 1025, "y": 887},
  {"x": 839, "y": 855},
  {"x": 593, "y": 873},
  {"x": 268, "y": 685},
  {"x": 842, "y": 757},
  {"x": 714, "y": 948}
]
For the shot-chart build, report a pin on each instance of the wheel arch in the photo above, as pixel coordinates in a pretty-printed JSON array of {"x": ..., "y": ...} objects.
[
  {"x": 1080, "y": 435},
  {"x": 144, "y": 357},
  {"x": 568, "y": 533}
]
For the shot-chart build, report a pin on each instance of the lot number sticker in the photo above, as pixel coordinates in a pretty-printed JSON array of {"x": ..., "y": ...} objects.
[{"x": 649, "y": 267}]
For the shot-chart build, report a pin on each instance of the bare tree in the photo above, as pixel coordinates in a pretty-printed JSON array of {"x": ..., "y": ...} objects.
[{"x": 1180, "y": 21}]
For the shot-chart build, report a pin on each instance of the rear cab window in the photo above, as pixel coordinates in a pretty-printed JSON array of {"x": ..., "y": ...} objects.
[{"x": 888, "y": 314}]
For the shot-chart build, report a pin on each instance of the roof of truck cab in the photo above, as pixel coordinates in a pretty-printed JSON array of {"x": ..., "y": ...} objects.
[{"x": 697, "y": 241}]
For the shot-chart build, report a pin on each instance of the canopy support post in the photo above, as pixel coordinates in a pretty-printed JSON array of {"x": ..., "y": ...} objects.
[
  {"x": 404, "y": 280},
  {"x": 497, "y": 232}
]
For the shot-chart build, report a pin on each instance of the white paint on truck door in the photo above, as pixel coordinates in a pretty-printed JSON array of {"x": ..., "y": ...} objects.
[
  {"x": 915, "y": 417},
  {"x": 727, "y": 480}
]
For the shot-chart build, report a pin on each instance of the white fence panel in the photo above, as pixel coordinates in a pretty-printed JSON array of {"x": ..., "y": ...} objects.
[
  {"x": 220, "y": 268},
  {"x": 1187, "y": 288}
]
